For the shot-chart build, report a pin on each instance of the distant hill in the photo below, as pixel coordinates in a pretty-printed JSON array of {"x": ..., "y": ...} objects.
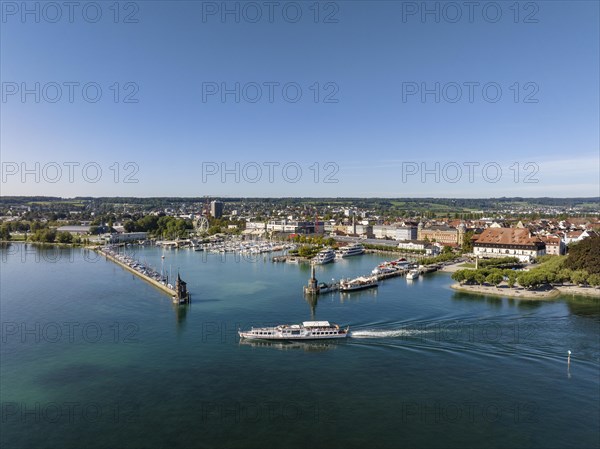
[
  {"x": 390, "y": 208},
  {"x": 451, "y": 203}
]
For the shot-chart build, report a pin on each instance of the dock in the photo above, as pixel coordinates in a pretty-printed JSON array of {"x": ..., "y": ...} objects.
[
  {"x": 290, "y": 259},
  {"x": 315, "y": 288},
  {"x": 179, "y": 294}
]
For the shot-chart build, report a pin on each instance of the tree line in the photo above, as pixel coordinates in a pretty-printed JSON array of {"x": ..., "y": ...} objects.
[{"x": 581, "y": 267}]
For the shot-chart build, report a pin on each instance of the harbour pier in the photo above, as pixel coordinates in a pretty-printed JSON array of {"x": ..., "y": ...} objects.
[
  {"x": 315, "y": 288},
  {"x": 178, "y": 293}
]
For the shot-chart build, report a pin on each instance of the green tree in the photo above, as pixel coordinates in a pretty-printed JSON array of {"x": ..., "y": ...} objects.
[
  {"x": 512, "y": 278},
  {"x": 44, "y": 236},
  {"x": 148, "y": 223},
  {"x": 4, "y": 232},
  {"x": 214, "y": 230},
  {"x": 564, "y": 275},
  {"x": 594, "y": 280},
  {"x": 308, "y": 250},
  {"x": 494, "y": 278},
  {"x": 36, "y": 226},
  {"x": 479, "y": 277},
  {"x": 467, "y": 243},
  {"x": 130, "y": 226},
  {"x": 459, "y": 276},
  {"x": 499, "y": 262},
  {"x": 64, "y": 237},
  {"x": 579, "y": 277},
  {"x": 49, "y": 235},
  {"x": 585, "y": 255},
  {"x": 539, "y": 277},
  {"x": 551, "y": 275},
  {"x": 526, "y": 280}
]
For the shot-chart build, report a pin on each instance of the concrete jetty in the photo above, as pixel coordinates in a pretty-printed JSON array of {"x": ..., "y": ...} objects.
[
  {"x": 315, "y": 288},
  {"x": 179, "y": 293}
]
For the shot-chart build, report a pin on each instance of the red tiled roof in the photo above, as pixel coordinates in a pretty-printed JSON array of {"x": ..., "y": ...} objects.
[
  {"x": 507, "y": 236},
  {"x": 551, "y": 240}
]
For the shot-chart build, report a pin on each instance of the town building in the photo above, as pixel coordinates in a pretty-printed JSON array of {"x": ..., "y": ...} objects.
[
  {"x": 406, "y": 233},
  {"x": 360, "y": 230},
  {"x": 419, "y": 245},
  {"x": 554, "y": 245},
  {"x": 75, "y": 229},
  {"x": 508, "y": 242},
  {"x": 384, "y": 232},
  {"x": 293, "y": 226},
  {"x": 578, "y": 236},
  {"x": 329, "y": 227},
  {"x": 256, "y": 225},
  {"x": 216, "y": 208},
  {"x": 395, "y": 232},
  {"x": 127, "y": 237},
  {"x": 441, "y": 233}
]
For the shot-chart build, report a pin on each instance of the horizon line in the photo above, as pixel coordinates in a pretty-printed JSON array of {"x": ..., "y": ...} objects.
[{"x": 597, "y": 198}]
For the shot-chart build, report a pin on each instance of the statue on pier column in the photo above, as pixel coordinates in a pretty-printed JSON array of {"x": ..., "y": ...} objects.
[{"x": 312, "y": 282}]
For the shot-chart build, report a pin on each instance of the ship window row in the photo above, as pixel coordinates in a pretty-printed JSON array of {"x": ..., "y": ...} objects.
[
  {"x": 265, "y": 333},
  {"x": 325, "y": 333}
]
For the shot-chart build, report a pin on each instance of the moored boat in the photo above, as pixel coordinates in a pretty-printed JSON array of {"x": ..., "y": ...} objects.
[
  {"x": 355, "y": 249},
  {"x": 412, "y": 274},
  {"x": 359, "y": 283},
  {"x": 384, "y": 268},
  {"x": 327, "y": 288},
  {"x": 324, "y": 256}
]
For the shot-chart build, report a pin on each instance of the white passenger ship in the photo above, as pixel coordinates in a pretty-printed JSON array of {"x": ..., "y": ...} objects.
[
  {"x": 308, "y": 330},
  {"x": 324, "y": 256},
  {"x": 355, "y": 249}
]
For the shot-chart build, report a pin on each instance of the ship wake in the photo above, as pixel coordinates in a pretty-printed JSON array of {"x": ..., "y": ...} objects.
[{"x": 390, "y": 333}]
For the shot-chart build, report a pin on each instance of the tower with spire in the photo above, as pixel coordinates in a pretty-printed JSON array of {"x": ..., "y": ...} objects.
[{"x": 181, "y": 293}]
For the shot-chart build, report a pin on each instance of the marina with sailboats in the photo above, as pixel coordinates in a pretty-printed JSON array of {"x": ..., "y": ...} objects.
[{"x": 250, "y": 250}]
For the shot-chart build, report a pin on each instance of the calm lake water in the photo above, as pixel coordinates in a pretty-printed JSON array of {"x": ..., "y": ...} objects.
[{"x": 92, "y": 356}]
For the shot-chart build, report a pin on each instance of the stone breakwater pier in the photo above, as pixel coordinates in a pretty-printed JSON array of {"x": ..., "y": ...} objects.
[{"x": 178, "y": 291}]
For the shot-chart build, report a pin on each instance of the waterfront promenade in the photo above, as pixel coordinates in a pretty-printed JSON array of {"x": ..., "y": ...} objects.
[{"x": 523, "y": 293}]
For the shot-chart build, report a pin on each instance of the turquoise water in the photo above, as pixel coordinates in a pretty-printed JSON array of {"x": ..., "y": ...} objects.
[{"x": 92, "y": 356}]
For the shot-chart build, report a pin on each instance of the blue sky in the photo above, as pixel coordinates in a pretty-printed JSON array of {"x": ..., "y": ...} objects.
[{"x": 361, "y": 126}]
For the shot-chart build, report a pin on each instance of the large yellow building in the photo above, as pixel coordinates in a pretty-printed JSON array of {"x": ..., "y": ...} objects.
[{"x": 441, "y": 234}]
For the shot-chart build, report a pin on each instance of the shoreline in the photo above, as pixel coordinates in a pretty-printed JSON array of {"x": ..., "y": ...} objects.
[
  {"x": 30, "y": 242},
  {"x": 393, "y": 250},
  {"x": 522, "y": 293}
]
